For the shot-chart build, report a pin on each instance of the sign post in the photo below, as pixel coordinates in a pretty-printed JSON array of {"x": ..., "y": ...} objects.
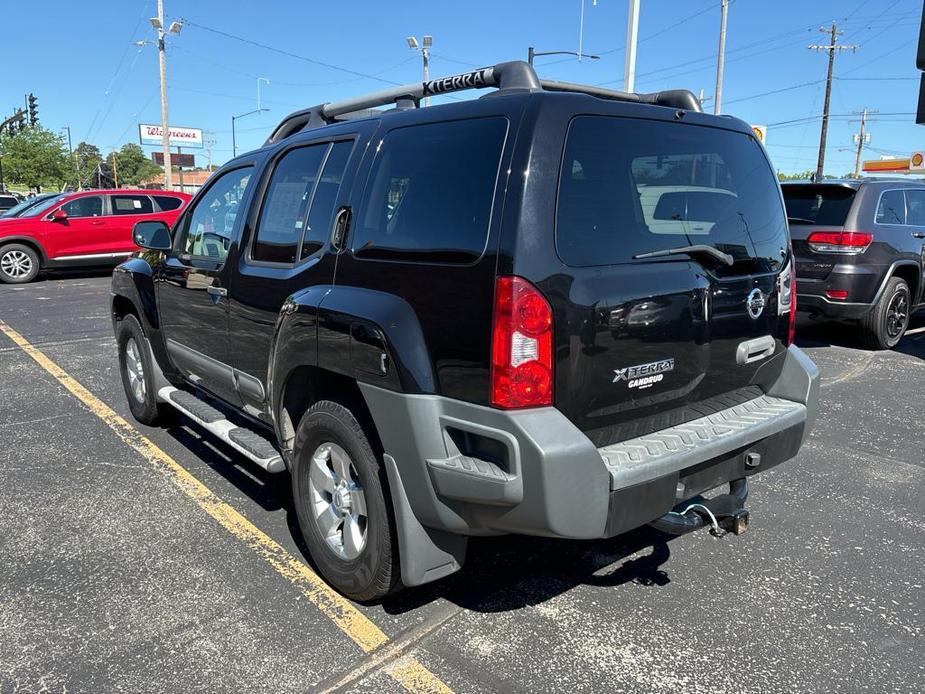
[{"x": 180, "y": 168}]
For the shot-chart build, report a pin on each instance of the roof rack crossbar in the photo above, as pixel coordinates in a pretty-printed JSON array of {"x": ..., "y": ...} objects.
[{"x": 513, "y": 76}]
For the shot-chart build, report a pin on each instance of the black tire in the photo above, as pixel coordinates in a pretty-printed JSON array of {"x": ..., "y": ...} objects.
[
  {"x": 19, "y": 263},
  {"x": 373, "y": 572},
  {"x": 134, "y": 352},
  {"x": 886, "y": 323}
]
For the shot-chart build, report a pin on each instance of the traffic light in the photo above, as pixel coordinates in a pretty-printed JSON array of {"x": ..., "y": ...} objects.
[{"x": 33, "y": 110}]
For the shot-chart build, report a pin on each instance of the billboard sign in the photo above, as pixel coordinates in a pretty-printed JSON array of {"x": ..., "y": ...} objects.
[
  {"x": 187, "y": 161},
  {"x": 179, "y": 137},
  {"x": 917, "y": 161}
]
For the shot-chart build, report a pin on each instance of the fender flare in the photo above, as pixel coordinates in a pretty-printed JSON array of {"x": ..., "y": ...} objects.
[
  {"x": 27, "y": 241},
  {"x": 133, "y": 281},
  {"x": 892, "y": 272}
]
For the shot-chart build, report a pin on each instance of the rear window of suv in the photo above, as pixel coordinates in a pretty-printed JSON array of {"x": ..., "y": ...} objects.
[
  {"x": 824, "y": 205},
  {"x": 629, "y": 187}
]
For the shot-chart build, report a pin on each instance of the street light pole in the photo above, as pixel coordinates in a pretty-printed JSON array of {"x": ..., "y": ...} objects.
[
  {"x": 632, "y": 33},
  {"x": 428, "y": 41},
  {"x": 721, "y": 57},
  {"x": 234, "y": 142},
  {"x": 533, "y": 53}
]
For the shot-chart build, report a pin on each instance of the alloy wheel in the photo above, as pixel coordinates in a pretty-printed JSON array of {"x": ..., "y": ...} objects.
[
  {"x": 15, "y": 264},
  {"x": 897, "y": 315},
  {"x": 338, "y": 502},
  {"x": 135, "y": 370}
]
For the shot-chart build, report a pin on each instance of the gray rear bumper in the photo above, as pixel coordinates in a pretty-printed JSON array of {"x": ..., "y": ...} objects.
[{"x": 458, "y": 469}]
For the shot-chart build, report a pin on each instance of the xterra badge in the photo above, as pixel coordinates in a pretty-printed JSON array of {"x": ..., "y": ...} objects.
[{"x": 644, "y": 375}]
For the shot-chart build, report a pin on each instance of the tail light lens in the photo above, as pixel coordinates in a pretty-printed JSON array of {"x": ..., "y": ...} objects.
[
  {"x": 849, "y": 242},
  {"x": 521, "y": 346},
  {"x": 787, "y": 298}
]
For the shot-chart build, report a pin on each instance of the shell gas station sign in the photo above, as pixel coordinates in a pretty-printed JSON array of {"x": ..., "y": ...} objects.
[{"x": 914, "y": 163}]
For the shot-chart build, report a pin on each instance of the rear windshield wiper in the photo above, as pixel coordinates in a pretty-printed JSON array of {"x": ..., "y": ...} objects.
[
  {"x": 800, "y": 220},
  {"x": 701, "y": 250}
]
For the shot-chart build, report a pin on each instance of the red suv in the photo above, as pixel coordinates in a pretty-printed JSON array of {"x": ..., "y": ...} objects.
[{"x": 93, "y": 227}]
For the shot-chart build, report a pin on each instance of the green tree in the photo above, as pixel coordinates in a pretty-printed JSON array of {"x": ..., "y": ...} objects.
[
  {"x": 82, "y": 165},
  {"x": 35, "y": 157},
  {"x": 132, "y": 166},
  {"x": 800, "y": 176}
]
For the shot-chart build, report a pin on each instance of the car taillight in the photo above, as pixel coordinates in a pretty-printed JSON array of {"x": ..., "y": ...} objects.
[
  {"x": 787, "y": 298},
  {"x": 839, "y": 241},
  {"x": 521, "y": 346}
]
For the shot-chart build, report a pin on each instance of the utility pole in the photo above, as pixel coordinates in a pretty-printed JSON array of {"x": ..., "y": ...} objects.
[
  {"x": 831, "y": 48},
  {"x": 860, "y": 135},
  {"x": 721, "y": 57},
  {"x": 115, "y": 169},
  {"x": 424, "y": 49},
  {"x": 632, "y": 33},
  {"x": 162, "y": 58}
]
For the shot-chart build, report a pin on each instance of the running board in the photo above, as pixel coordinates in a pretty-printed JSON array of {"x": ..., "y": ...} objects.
[{"x": 249, "y": 444}]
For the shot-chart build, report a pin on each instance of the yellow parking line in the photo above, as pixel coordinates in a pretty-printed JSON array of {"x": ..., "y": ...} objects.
[{"x": 408, "y": 672}]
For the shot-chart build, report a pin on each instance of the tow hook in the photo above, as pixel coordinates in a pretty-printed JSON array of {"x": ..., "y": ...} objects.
[{"x": 724, "y": 514}]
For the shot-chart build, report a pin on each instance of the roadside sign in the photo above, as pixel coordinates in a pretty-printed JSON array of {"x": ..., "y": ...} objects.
[
  {"x": 917, "y": 161},
  {"x": 761, "y": 132},
  {"x": 187, "y": 160},
  {"x": 179, "y": 137}
]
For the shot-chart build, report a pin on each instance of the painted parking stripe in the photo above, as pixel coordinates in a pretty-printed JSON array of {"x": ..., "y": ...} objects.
[{"x": 408, "y": 672}]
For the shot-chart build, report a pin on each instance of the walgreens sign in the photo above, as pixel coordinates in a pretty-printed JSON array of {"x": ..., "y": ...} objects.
[{"x": 179, "y": 137}]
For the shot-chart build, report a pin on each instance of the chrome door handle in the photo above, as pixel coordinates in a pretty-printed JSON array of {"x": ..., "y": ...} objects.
[
  {"x": 217, "y": 291},
  {"x": 918, "y": 235}
]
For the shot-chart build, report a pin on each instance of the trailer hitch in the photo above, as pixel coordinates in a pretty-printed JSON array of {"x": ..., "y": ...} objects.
[{"x": 724, "y": 513}]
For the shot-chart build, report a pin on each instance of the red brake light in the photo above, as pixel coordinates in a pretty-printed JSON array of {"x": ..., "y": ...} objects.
[
  {"x": 839, "y": 241},
  {"x": 521, "y": 346}
]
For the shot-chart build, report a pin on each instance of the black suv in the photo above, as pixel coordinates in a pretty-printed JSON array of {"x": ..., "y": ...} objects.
[
  {"x": 555, "y": 310},
  {"x": 859, "y": 247}
]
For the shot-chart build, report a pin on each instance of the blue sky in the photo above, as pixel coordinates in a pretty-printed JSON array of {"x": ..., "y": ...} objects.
[{"x": 90, "y": 76}]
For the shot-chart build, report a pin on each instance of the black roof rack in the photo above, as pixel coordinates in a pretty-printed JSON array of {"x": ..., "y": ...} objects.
[{"x": 514, "y": 76}]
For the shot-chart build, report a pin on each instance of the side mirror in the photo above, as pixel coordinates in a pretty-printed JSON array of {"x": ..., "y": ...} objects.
[
  {"x": 59, "y": 215},
  {"x": 153, "y": 235}
]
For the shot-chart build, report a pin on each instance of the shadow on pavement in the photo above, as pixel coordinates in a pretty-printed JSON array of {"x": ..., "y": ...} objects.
[{"x": 822, "y": 333}]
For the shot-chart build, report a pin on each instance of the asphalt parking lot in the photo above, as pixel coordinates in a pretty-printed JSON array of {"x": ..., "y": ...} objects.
[{"x": 114, "y": 576}]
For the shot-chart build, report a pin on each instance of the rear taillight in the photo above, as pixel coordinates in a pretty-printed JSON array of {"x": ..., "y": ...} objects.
[
  {"x": 850, "y": 242},
  {"x": 787, "y": 298},
  {"x": 521, "y": 346}
]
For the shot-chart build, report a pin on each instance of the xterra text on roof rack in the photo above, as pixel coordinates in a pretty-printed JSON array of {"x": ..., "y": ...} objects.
[{"x": 556, "y": 310}]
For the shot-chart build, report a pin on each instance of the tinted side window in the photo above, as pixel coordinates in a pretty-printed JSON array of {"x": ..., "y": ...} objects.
[
  {"x": 430, "y": 192},
  {"x": 208, "y": 227},
  {"x": 321, "y": 215},
  {"x": 285, "y": 206},
  {"x": 131, "y": 204},
  {"x": 892, "y": 208},
  {"x": 90, "y": 206},
  {"x": 915, "y": 207},
  {"x": 167, "y": 202}
]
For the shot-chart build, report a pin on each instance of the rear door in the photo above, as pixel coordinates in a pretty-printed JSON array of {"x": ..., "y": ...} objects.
[
  {"x": 127, "y": 209},
  {"x": 644, "y": 343}
]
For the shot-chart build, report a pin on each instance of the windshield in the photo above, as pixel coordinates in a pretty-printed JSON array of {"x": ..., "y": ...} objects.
[
  {"x": 24, "y": 205},
  {"x": 44, "y": 205},
  {"x": 826, "y": 205},
  {"x": 629, "y": 187}
]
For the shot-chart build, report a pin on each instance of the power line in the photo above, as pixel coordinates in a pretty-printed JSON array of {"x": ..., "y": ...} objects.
[
  {"x": 776, "y": 91},
  {"x": 289, "y": 54}
]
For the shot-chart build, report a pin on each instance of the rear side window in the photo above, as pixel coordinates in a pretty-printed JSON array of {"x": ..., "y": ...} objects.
[
  {"x": 629, "y": 187},
  {"x": 282, "y": 219},
  {"x": 915, "y": 207},
  {"x": 321, "y": 213},
  {"x": 167, "y": 202},
  {"x": 892, "y": 208},
  {"x": 131, "y": 204},
  {"x": 430, "y": 192},
  {"x": 89, "y": 206},
  {"x": 824, "y": 205}
]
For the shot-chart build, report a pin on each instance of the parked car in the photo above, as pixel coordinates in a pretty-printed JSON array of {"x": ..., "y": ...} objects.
[
  {"x": 456, "y": 320},
  {"x": 8, "y": 201},
  {"x": 859, "y": 246},
  {"x": 22, "y": 207},
  {"x": 89, "y": 228}
]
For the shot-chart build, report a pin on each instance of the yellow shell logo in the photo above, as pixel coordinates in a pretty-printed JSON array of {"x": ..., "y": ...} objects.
[{"x": 917, "y": 159}]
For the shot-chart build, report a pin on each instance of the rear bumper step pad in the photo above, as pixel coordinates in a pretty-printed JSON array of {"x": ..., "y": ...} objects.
[
  {"x": 660, "y": 453},
  {"x": 250, "y": 444}
]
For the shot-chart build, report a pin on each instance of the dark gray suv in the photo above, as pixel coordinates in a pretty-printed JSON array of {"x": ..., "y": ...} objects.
[{"x": 859, "y": 247}]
